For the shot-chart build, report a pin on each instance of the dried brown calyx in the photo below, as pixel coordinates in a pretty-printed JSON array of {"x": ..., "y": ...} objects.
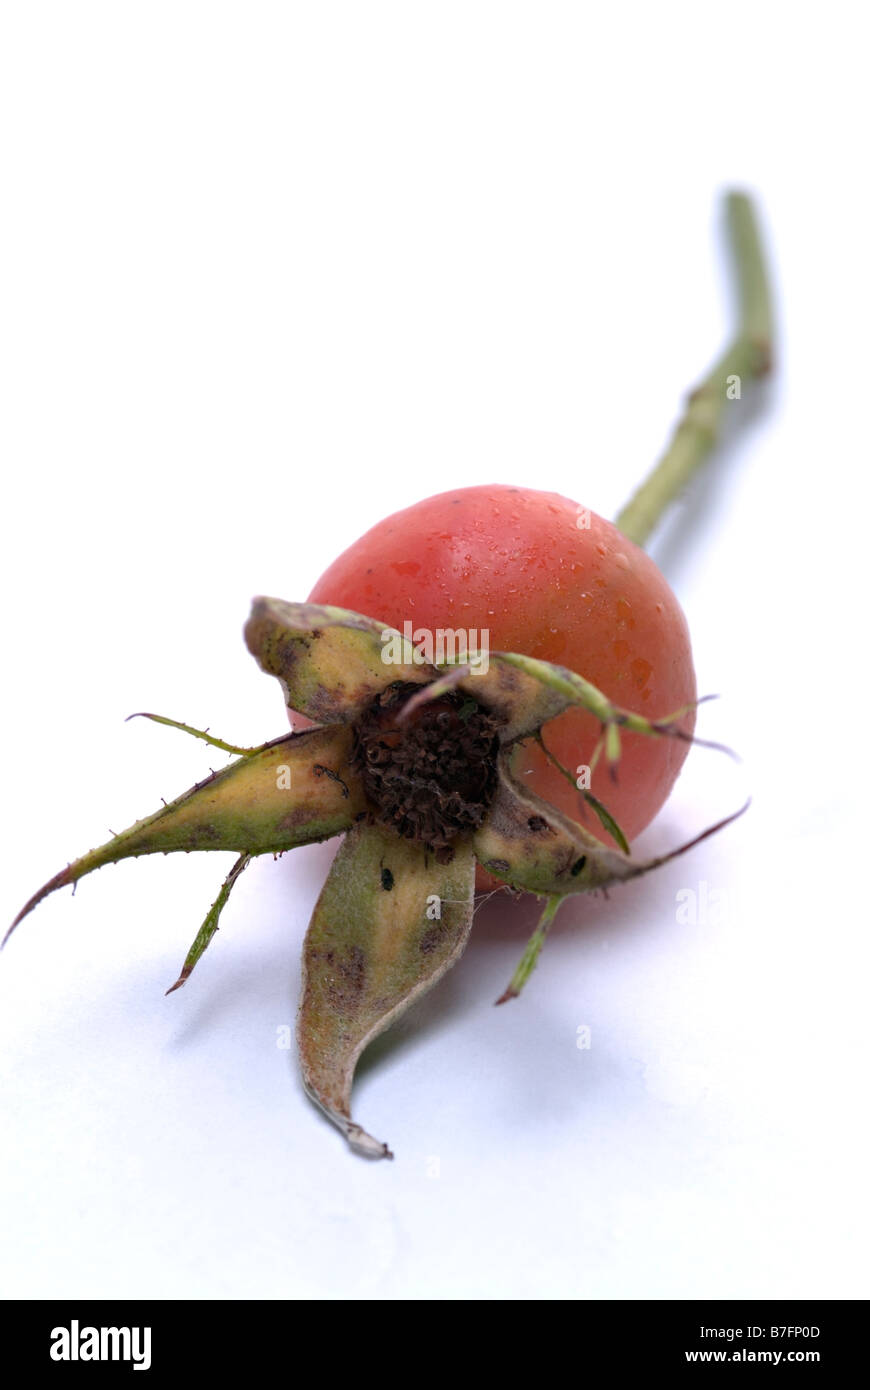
[{"x": 433, "y": 775}]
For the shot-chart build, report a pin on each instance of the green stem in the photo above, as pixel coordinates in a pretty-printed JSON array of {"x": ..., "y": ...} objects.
[{"x": 748, "y": 357}]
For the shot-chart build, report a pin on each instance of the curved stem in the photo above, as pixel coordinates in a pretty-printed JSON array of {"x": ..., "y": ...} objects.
[{"x": 747, "y": 357}]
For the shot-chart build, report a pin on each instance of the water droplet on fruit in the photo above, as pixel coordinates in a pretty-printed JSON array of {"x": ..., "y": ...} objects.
[{"x": 623, "y": 609}]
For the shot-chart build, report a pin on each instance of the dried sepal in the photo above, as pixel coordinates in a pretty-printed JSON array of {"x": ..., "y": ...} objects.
[
  {"x": 389, "y": 922},
  {"x": 530, "y": 845},
  {"x": 574, "y": 690},
  {"x": 534, "y": 946},
  {"x": 331, "y": 663},
  {"x": 203, "y": 937},
  {"x": 269, "y": 801}
]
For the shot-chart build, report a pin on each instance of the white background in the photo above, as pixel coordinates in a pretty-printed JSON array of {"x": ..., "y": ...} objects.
[{"x": 268, "y": 273}]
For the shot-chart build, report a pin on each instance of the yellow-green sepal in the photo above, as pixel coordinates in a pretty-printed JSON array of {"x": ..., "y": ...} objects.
[
  {"x": 389, "y": 922},
  {"x": 294, "y": 791},
  {"x": 331, "y": 663}
]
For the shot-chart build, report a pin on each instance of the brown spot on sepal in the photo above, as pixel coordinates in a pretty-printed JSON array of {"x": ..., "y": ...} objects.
[
  {"x": 353, "y": 969},
  {"x": 499, "y": 867},
  {"x": 431, "y": 939}
]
